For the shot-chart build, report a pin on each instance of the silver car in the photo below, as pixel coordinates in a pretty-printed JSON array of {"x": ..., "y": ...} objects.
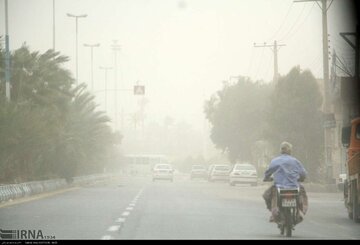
[
  {"x": 243, "y": 173},
  {"x": 219, "y": 172},
  {"x": 163, "y": 171}
]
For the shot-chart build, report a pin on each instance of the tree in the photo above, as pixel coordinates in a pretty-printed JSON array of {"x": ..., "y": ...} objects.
[
  {"x": 237, "y": 116},
  {"x": 294, "y": 115},
  {"x": 50, "y": 128}
]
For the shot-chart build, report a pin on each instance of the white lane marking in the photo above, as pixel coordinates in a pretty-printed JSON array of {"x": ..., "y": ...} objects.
[
  {"x": 120, "y": 220},
  {"x": 129, "y": 208},
  {"x": 132, "y": 204},
  {"x": 106, "y": 237},
  {"x": 114, "y": 228},
  {"x": 125, "y": 213}
]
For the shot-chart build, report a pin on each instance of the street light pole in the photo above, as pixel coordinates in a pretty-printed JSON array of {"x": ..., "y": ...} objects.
[
  {"x": 76, "y": 21},
  {"x": 7, "y": 54},
  {"x": 115, "y": 47},
  {"x": 105, "y": 68},
  {"x": 92, "y": 46},
  {"x": 54, "y": 25}
]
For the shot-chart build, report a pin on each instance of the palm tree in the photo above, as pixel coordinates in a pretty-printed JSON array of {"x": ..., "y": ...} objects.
[{"x": 50, "y": 128}]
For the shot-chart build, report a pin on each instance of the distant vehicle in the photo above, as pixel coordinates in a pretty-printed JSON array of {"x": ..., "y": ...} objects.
[
  {"x": 142, "y": 164},
  {"x": 243, "y": 173},
  {"x": 341, "y": 182},
  {"x": 163, "y": 171},
  {"x": 219, "y": 172},
  {"x": 198, "y": 171}
]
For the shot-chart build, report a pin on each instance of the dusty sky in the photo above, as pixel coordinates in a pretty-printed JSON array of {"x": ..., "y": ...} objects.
[{"x": 181, "y": 50}]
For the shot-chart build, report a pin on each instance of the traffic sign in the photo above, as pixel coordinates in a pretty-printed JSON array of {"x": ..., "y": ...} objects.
[{"x": 139, "y": 90}]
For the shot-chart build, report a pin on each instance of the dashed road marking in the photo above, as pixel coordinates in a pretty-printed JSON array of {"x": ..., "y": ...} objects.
[
  {"x": 114, "y": 228},
  {"x": 107, "y": 237},
  {"x": 120, "y": 220}
]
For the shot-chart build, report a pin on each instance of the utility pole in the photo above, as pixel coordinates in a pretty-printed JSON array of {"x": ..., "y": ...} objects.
[
  {"x": 274, "y": 47},
  {"x": 327, "y": 110},
  {"x": 7, "y": 53},
  {"x": 105, "y": 68},
  {"x": 115, "y": 47},
  {"x": 92, "y": 46}
]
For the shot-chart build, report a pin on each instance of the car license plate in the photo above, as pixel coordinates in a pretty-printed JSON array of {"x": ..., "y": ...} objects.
[{"x": 288, "y": 202}]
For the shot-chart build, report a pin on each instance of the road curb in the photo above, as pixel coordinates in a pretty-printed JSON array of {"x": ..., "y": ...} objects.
[{"x": 15, "y": 191}]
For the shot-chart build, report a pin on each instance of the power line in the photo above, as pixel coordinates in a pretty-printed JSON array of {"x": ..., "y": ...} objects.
[
  {"x": 250, "y": 63},
  {"x": 282, "y": 23},
  {"x": 297, "y": 19},
  {"x": 260, "y": 64},
  {"x": 298, "y": 27}
]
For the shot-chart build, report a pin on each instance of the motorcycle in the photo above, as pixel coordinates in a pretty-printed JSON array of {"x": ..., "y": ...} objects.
[{"x": 286, "y": 209}]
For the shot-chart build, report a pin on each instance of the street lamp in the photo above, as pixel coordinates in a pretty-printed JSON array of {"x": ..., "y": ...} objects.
[
  {"x": 115, "y": 47},
  {"x": 76, "y": 21},
  {"x": 7, "y": 53},
  {"x": 91, "y": 46},
  {"x": 105, "y": 68}
]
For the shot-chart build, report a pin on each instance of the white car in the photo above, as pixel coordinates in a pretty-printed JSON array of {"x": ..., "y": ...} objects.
[
  {"x": 219, "y": 172},
  {"x": 163, "y": 171},
  {"x": 243, "y": 173}
]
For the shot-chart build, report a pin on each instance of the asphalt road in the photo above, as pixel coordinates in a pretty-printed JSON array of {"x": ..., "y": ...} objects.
[{"x": 137, "y": 208}]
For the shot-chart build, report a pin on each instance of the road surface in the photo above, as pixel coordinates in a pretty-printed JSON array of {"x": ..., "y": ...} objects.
[{"x": 137, "y": 208}]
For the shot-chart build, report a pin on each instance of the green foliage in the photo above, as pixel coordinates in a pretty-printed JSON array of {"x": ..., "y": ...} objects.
[
  {"x": 237, "y": 116},
  {"x": 50, "y": 128},
  {"x": 295, "y": 116},
  {"x": 250, "y": 119}
]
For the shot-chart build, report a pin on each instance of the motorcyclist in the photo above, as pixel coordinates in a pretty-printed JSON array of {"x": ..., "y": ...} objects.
[{"x": 287, "y": 172}]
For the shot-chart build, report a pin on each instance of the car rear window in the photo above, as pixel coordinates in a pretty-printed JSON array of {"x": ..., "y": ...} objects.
[
  {"x": 244, "y": 167},
  {"x": 222, "y": 167},
  {"x": 164, "y": 166},
  {"x": 198, "y": 167}
]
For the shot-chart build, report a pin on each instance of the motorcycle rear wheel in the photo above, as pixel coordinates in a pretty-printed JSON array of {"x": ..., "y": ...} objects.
[{"x": 288, "y": 223}]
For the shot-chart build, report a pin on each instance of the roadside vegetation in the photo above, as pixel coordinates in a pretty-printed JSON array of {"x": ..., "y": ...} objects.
[
  {"x": 50, "y": 128},
  {"x": 250, "y": 119}
]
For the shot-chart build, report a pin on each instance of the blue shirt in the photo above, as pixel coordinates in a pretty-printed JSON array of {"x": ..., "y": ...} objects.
[{"x": 286, "y": 170}]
